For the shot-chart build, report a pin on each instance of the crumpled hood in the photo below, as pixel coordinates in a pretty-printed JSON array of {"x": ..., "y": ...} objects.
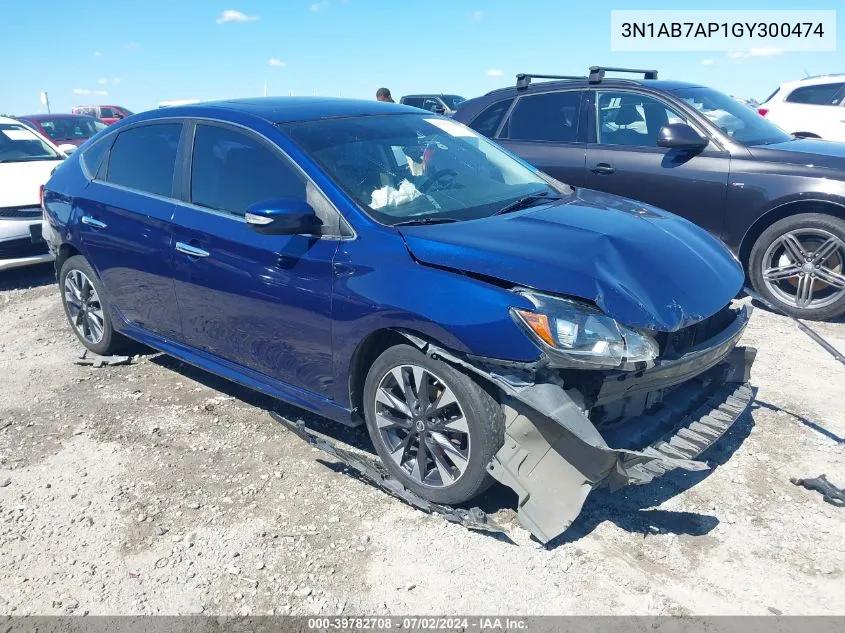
[{"x": 644, "y": 267}]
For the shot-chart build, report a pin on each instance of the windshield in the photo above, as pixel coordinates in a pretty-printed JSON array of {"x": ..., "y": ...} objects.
[
  {"x": 71, "y": 128},
  {"x": 736, "y": 120},
  {"x": 417, "y": 167},
  {"x": 20, "y": 144},
  {"x": 452, "y": 101}
]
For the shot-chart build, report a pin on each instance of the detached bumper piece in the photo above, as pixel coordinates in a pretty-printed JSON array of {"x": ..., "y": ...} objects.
[
  {"x": 371, "y": 471},
  {"x": 554, "y": 453}
]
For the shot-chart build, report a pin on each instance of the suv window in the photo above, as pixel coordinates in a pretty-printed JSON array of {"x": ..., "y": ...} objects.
[
  {"x": 552, "y": 116},
  {"x": 144, "y": 157},
  {"x": 823, "y": 94},
  {"x": 415, "y": 102},
  {"x": 232, "y": 171},
  {"x": 627, "y": 118},
  {"x": 107, "y": 112},
  {"x": 488, "y": 121}
]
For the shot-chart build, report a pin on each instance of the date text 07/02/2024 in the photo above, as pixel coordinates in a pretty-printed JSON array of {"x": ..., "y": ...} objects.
[{"x": 412, "y": 623}]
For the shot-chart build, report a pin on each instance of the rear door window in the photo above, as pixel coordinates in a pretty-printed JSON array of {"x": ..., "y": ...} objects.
[
  {"x": 414, "y": 102},
  {"x": 488, "y": 121},
  {"x": 144, "y": 158},
  {"x": 106, "y": 113},
  {"x": 551, "y": 116},
  {"x": 824, "y": 94}
]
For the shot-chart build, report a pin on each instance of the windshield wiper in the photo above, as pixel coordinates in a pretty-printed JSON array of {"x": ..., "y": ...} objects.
[
  {"x": 425, "y": 220},
  {"x": 527, "y": 201}
]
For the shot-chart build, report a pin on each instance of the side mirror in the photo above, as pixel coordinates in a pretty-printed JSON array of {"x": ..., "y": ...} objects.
[
  {"x": 680, "y": 136},
  {"x": 283, "y": 216},
  {"x": 68, "y": 148},
  {"x": 438, "y": 109}
]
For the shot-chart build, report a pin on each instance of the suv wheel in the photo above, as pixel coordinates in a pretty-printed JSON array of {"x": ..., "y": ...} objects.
[
  {"x": 798, "y": 263},
  {"x": 435, "y": 428},
  {"x": 85, "y": 307}
]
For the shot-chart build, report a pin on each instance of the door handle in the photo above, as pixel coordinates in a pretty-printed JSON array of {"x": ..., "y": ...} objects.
[
  {"x": 603, "y": 168},
  {"x": 193, "y": 251},
  {"x": 87, "y": 219}
]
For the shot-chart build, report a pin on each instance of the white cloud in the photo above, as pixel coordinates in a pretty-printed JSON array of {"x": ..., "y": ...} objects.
[
  {"x": 494, "y": 72},
  {"x": 102, "y": 81},
  {"x": 707, "y": 62},
  {"x": 81, "y": 91},
  {"x": 97, "y": 54},
  {"x": 317, "y": 7},
  {"x": 116, "y": 80},
  {"x": 475, "y": 16},
  {"x": 102, "y": 93},
  {"x": 230, "y": 15},
  {"x": 755, "y": 52},
  {"x": 278, "y": 63}
]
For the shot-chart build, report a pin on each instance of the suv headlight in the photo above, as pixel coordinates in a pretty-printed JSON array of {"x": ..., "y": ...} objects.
[{"x": 575, "y": 334}]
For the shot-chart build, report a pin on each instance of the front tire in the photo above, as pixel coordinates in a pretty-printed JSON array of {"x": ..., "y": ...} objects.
[
  {"x": 85, "y": 307},
  {"x": 434, "y": 427},
  {"x": 798, "y": 264}
]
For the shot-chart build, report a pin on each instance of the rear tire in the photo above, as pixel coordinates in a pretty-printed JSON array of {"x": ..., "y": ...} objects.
[
  {"x": 461, "y": 424},
  {"x": 86, "y": 307},
  {"x": 798, "y": 264}
]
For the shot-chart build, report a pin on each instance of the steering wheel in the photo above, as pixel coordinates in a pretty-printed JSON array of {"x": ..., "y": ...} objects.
[{"x": 441, "y": 174}]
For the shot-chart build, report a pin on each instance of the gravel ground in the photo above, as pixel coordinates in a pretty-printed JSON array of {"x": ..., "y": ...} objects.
[{"x": 155, "y": 488}]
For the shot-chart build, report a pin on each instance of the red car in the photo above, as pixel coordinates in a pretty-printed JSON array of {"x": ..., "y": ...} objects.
[
  {"x": 108, "y": 114},
  {"x": 73, "y": 129}
]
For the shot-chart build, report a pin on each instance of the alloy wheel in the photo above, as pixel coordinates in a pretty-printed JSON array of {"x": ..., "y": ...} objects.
[
  {"x": 84, "y": 307},
  {"x": 422, "y": 425},
  {"x": 805, "y": 268}
]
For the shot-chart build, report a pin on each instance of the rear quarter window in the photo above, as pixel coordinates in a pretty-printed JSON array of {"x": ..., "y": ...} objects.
[
  {"x": 488, "y": 121},
  {"x": 823, "y": 94}
]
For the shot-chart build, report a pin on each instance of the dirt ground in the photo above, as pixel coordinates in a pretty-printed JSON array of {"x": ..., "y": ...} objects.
[{"x": 155, "y": 488}]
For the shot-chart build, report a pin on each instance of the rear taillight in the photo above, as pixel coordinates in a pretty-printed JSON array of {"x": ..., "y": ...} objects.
[{"x": 762, "y": 111}]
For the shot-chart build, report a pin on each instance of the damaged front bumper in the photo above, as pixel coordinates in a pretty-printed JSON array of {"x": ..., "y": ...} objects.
[{"x": 565, "y": 436}]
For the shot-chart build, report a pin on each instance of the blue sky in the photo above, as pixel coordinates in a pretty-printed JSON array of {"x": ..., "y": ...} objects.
[{"x": 136, "y": 54}]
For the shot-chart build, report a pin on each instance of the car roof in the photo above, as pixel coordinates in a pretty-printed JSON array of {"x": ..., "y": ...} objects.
[
  {"x": 817, "y": 80},
  {"x": 290, "y": 109},
  {"x": 6, "y": 119},
  {"x": 432, "y": 94},
  {"x": 660, "y": 85}
]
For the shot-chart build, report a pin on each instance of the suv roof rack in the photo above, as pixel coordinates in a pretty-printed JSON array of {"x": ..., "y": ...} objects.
[
  {"x": 597, "y": 73},
  {"x": 523, "y": 80}
]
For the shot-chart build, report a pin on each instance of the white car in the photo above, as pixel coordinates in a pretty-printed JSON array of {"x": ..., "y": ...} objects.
[
  {"x": 814, "y": 106},
  {"x": 26, "y": 161}
]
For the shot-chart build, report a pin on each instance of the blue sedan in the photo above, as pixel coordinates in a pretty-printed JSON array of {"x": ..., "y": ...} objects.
[{"x": 378, "y": 264}]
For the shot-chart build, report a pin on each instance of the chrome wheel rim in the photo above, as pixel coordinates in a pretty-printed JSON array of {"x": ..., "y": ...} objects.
[
  {"x": 83, "y": 306},
  {"x": 422, "y": 425},
  {"x": 805, "y": 268}
]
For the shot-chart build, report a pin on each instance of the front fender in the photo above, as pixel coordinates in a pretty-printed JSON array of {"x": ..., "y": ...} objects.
[{"x": 379, "y": 286}]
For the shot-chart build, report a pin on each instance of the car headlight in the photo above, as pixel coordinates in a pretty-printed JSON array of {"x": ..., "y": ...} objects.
[{"x": 575, "y": 334}]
